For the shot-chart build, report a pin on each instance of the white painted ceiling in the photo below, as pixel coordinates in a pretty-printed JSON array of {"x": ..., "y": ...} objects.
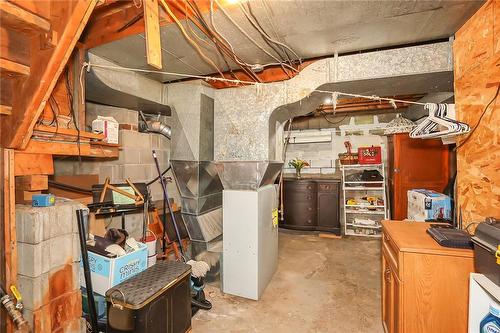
[{"x": 313, "y": 28}]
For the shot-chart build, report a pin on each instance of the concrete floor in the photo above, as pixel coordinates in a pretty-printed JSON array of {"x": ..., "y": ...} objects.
[{"x": 321, "y": 285}]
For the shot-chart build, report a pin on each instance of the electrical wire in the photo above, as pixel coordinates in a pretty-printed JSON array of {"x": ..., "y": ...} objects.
[
  {"x": 267, "y": 10},
  {"x": 279, "y": 61},
  {"x": 332, "y": 122},
  {"x": 221, "y": 47},
  {"x": 479, "y": 120},
  {"x": 72, "y": 110},
  {"x": 240, "y": 62},
  {"x": 189, "y": 39},
  {"x": 264, "y": 34},
  {"x": 176, "y": 57},
  {"x": 218, "y": 40},
  {"x": 256, "y": 24}
]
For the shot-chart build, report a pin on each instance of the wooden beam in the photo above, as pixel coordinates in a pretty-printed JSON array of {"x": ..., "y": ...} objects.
[
  {"x": 9, "y": 218},
  {"x": 32, "y": 182},
  {"x": 107, "y": 27},
  {"x": 69, "y": 132},
  {"x": 17, "y": 18},
  {"x": 13, "y": 69},
  {"x": 153, "y": 40},
  {"x": 33, "y": 164},
  {"x": 46, "y": 65},
  {"x": 73, "y": 149},
  {"x": 6, "y": 110}
]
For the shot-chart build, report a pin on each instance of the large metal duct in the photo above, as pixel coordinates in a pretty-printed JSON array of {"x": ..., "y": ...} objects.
[
  {"x": 123, "y": 89},
  {"x": 192, "y": 163}
]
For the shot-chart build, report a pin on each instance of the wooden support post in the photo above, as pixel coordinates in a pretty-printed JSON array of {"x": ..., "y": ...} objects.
[
  {"x": 8, "y": 249},
  {"x": 152, "y": 32}
]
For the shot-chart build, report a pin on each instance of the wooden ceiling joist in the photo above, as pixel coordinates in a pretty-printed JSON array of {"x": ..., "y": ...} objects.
[
  {"x": 5, "y": 110},
  {"x": 19, "y": 19},
  {"x": 10, "y": 68}
]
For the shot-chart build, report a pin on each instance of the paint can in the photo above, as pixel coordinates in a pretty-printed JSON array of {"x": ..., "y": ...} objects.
[{"x": 150, "y": 241}]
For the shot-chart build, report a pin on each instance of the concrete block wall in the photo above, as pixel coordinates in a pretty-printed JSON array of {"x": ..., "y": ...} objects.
[
  {"x": 49, "y": 266},
  {"x": 135, "y": 160},
  {"x": 323, "y": 156}
]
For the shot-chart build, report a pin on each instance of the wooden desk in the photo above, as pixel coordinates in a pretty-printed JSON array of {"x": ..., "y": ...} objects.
[{"x": 425, "y": 287}]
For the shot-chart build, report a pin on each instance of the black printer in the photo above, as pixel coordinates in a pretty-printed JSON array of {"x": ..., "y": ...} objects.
[{"x": 487, "y": 249}]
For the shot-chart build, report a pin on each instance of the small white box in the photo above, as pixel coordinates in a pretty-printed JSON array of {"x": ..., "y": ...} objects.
[{"x": 107, "y": 126}]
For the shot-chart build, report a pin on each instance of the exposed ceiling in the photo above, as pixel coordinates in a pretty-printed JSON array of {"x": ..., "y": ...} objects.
[{"x": 312, "y": 28}]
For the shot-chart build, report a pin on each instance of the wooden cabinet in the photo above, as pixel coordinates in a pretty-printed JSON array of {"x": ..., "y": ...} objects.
[
  {"x": 311, "y": 204},
  {"x": 424, "y": 286},
  {"x": 414, "y": 163}
]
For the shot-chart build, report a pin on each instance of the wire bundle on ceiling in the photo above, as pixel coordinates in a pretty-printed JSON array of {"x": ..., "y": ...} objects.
[{"x": 223, "y": 46}]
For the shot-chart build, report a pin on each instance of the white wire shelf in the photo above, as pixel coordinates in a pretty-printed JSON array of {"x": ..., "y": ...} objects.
[
  {"x": 365, "y": 182},
  {"x": 352, "y": 211},
  {"x": 350, "y": 232},
  {"x": 364, "y": 226},
  {"x": 365, "y": 206},
  {"x": 356, "y": 188},
  {"x": 363, "y": 188},
  {"x": 349, "y": 166}
]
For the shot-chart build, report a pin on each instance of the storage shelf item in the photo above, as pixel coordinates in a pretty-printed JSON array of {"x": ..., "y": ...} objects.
[
  {"x": 354, "y": 210},
  {"x": 351, "y": 211},
  {"x": 365, "y": 226},
  {"x": 365, "y": 206},
  {"x": 350, "y": 232}
]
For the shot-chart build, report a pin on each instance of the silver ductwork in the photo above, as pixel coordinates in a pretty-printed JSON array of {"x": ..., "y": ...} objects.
[
  {"x": 192, "y": 163},
  {"x": 159, "y": 128}
]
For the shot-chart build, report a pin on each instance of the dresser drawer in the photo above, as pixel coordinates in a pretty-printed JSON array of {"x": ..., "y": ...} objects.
[
  {"x": 391, "y": 253},
  {"x": 328, "y": 187}
]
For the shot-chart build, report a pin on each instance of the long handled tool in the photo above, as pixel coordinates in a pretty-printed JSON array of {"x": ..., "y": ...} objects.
[
  {"x": 166, "y": 198},
  {"x": 86, "y": 271}
]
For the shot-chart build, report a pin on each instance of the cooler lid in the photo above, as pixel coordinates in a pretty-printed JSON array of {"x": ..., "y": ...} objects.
[
  {"x": 488, "y": 235},
  {"x": 141, "y": 289}
]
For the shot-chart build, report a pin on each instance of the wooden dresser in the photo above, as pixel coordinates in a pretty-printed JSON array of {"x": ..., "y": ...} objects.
[
  {"x": 425, "y": 287},
  {"x": 312, "y": 204}
]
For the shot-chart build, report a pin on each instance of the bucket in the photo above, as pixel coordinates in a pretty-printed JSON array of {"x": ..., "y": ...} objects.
[{"x": 150, "y": 241}]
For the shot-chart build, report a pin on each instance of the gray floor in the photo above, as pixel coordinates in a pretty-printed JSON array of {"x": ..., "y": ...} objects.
[{"x": 321, "y": 285}]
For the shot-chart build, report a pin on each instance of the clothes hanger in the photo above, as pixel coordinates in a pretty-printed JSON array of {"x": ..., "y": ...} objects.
[{"x": 438, "y": 125}]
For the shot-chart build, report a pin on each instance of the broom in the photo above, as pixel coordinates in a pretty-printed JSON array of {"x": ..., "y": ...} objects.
[{"x": 198, "y": 268}]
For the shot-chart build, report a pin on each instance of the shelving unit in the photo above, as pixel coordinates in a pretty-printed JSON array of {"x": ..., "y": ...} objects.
[{"x": 374, "y": 212}]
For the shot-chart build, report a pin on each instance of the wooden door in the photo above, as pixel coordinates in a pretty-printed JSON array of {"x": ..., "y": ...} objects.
[{"x": 415, "y": 163}]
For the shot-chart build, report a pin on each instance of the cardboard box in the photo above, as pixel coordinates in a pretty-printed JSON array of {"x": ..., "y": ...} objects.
[
  {"x": 428, "y": 205},
  {"x": 107, "y": 126},
  {"x": 107, "y": 273}
]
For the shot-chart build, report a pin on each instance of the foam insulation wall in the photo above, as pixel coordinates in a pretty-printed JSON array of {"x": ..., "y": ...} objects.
[{"x": 242, "y": 125}]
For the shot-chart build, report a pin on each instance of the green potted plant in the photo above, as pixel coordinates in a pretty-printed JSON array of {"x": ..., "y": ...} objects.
[{"x": 298, "y": 164}]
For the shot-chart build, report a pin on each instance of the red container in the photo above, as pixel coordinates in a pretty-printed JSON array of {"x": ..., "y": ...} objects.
[{"x": 370, "y": 155}]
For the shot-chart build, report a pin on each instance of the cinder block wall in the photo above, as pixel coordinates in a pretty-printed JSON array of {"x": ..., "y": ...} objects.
[
  {"x": 135, "y": 160},
  {"x": 323, "y": 156},
  {"x": 49, "y": 266}
]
